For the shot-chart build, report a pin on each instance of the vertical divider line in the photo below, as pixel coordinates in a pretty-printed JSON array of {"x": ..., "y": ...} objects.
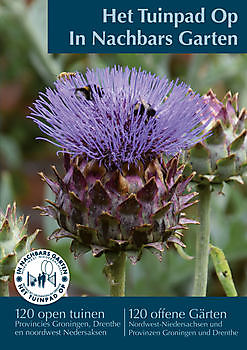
[{"x": 124, "y": 323}]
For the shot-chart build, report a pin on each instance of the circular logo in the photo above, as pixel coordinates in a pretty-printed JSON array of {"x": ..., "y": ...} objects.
[{"x": 41, "y": 277}]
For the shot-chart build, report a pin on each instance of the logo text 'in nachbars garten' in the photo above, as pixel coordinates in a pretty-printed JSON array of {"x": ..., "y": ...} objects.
[{"x": 41, "y": 277}]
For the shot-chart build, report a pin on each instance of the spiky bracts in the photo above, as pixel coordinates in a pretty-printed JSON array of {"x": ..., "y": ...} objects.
[
  {"x": 112, "y": 211},
  {"x": 223, "y": 155},
  {"x": 14, "y": 240},
  {"x": 114, "y": 125}
]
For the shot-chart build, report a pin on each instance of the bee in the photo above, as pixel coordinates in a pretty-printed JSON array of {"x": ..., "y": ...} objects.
[
  {"x": 87, "y": 92},
  {"x": 66, "y": 75},
  {"x": 141, "y": 107}
]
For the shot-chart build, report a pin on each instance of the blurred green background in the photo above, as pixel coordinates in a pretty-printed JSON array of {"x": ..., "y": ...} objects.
[{"x": 26, "y": 69}]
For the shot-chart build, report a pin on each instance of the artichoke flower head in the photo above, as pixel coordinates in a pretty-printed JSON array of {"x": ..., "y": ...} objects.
[
  {"x": 222, "y": 157},
  {"x": 14, "y": 240},
  {"x": 113, "y": 127}
]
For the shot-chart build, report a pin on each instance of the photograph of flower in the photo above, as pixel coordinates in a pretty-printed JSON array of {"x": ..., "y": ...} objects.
[{"x": 131, "y": 166}]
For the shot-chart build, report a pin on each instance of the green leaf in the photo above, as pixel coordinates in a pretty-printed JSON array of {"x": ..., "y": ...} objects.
[
  {"x": 6, "y": 191},
  {"x": 223, "y": 271},
  {"x": 7, "y": 265}
]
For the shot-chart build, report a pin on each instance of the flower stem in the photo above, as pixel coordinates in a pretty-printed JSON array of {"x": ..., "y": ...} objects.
[
  {"x": 4, "y": 286},
  {"x": 202, "y": 242},
  {"x": 115, "y": 272}
]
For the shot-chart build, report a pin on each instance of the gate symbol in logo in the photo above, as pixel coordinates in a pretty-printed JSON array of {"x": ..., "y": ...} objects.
[
  {"x": 41, "y": 277},
  {"x": 45, "y": 275}
]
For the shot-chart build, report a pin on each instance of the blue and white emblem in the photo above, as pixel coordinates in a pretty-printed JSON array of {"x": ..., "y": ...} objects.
[{"x": 41, "y": 277}]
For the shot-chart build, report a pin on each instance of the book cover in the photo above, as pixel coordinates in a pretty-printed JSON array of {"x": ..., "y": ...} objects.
[{"x": 123, "y": 193}]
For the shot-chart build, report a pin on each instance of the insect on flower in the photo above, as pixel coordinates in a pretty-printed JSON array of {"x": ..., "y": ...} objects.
[
  {"x": 118, "y": 193},
  {"x": 142, "y": 107},
  {"x": 66, "y": 75},
  {"x": 87, "y": 92}
]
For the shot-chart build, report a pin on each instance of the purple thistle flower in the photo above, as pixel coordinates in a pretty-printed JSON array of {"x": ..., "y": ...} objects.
[
  {"x": 120, "y": 115},
  {"x": 118, "y": 194}
]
